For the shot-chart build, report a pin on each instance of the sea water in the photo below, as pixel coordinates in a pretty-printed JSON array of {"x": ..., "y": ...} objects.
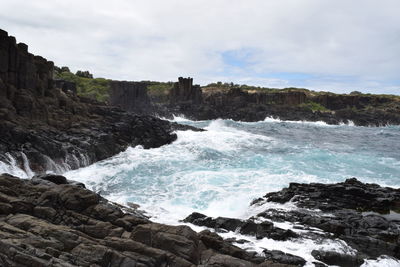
[{"x": 218, "y": 172}]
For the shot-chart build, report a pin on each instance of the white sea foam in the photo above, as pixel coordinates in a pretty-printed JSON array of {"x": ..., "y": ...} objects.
[
  {"x": 316, "y": 123},
  {"x": 10, "y": 166},
  {"x": 383, "y": 261}
]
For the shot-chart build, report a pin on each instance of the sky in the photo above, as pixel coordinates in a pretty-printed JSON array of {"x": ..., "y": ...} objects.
[{"x": 324, "y": 45}]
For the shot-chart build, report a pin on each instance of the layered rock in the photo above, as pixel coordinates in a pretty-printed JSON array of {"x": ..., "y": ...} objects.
[
  {"x": 130, "y": 96},
  {"x": 47, "y": 221}
]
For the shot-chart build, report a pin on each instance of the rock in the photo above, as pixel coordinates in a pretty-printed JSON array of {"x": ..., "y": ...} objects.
[
  {"x": 355, "y": 214},
  {"x": 67, "y": 225},
  {"x": 130, "y": 96},
  {"x": 281, "y": 257},
  {"x": 246, "y": 227},
  {"x": 208, "y": 103},
  {"x": 66, "y": 86},
  {"x": 56, "y": 129},
  {"x": 334, "y": 258},
  {"x": 57, "y": 179},
  {"x": 185, "y": 92}
]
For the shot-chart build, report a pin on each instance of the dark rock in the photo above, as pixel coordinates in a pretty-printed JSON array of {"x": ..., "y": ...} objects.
[
  {"x": 356, "y": 213},
  {"x": 56, "y": 129},
  {"x": 281, "y": 257},
  {"x": 57, "y": 179},
  {"x": 210, "y": 103},
  {"x": 246, "y": 227},
  {"x": 67, "y": 225},
  {"x": 185, "y": 92},
  {"x": 66, "y": 86},
  {"x": 334, "y": 258},
  {"x": 130, "y": 96}
]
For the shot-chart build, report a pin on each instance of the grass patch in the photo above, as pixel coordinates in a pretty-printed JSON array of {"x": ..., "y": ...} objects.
[
  {"x": 95, "y": 88},
  {"x": 313, "y": 106}
]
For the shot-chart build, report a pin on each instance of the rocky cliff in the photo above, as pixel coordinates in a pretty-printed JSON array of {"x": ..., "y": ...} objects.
[
  {"x": 130, "y": 96},
  {"x": 184, "y": 91},
  {"x": 45, "y": 126},
  {"x": 289, "y": 104}
]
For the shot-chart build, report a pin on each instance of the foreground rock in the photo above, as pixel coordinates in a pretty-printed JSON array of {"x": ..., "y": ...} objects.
[
  {"x": 47, "y": 221},
  {"x": 44, "y": 125},
  {"x": 363, "y": 215}
]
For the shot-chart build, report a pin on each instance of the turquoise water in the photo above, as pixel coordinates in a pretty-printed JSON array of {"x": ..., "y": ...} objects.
[{"x": 219, "y": 172}]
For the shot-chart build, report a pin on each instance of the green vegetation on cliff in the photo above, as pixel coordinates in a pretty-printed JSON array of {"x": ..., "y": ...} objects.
[
  {"x": 87, "y": 86},
  {"x": 313, "y": 106}
]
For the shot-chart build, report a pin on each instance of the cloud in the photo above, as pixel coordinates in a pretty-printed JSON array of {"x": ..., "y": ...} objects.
[{"x": 334, "y": 44}]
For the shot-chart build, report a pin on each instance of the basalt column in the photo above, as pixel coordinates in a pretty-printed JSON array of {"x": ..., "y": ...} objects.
[
  {"x": 130, "y": 96},
  {"x": 185, "y": 91}
]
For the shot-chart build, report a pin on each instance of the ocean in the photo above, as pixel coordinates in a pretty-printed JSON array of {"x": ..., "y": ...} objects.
[{"x": 218, "y": 172}]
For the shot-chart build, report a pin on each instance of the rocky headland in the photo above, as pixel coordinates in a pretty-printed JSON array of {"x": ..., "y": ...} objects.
[
  {"x": 240, "y": 104},
  {"x": 290, "y": 104}
]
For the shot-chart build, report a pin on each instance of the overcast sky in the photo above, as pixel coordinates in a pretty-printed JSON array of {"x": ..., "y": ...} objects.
[{"x": 336, "y": 45}]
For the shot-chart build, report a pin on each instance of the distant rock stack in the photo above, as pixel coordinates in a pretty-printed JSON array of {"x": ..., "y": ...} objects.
[
  {"x": 22, "y": 70},
  {"x": 185, "y": 91},
  {"x": 130, "y": 96},
  {"x": 24, "y": 78}
]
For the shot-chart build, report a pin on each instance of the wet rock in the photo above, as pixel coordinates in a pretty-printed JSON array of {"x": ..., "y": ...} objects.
[
  {"x": 49, "y": 224},
  {"x": 281, "y": 257},
  {"x": 57, "y": 179},
  {"x": 247, "y": 227},
  {"x": 352, "y": 211},
  {"x": 334, "y": 258}
]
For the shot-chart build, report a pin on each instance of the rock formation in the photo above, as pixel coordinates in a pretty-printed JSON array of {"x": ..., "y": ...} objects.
[
  {"x": 50, "y": 221},
  {"x": 289, "y": 104},
  {"x": 185, "y": 92},
  {"x": 363, "y": 215},
  {"x": 66, "y": 86},
  {"x": 46, "y": 127},
  {"x": 130, "y": 96}
]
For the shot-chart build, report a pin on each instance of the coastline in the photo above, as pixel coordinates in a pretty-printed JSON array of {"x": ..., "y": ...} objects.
[{"x": 46, "y": 126}]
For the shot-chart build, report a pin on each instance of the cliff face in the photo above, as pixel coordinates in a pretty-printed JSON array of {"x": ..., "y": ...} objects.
[
  {"x": 209, "y": 103},
  {"x": 21, "y": 69},
  {"x": 45, "y": 126},
  {"x": 337, "y": 102},
  {"x": 236, "y": 95},
  {"x": 130, "y": 96}
]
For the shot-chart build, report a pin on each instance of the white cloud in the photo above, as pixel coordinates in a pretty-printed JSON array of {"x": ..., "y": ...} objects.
[{"x": 161, "y": 40}]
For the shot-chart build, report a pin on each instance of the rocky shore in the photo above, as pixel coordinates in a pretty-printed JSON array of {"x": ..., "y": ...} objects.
[
  {"x": 365, "y": 216},
  {"x": 51, "y": 221}
]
